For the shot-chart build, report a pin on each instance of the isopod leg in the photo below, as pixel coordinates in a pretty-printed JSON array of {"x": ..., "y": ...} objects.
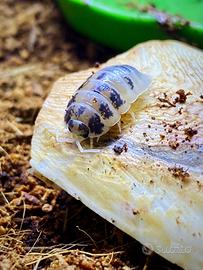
[
  {"x": 82, "y": 150},
  {"x": 91, "y": 143},
  {"x": 119, "y": 126},
  {"x": 63, "y": 139}
]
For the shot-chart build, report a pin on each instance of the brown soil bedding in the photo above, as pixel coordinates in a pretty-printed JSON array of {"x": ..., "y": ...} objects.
[{"x": 42, "y": 227}]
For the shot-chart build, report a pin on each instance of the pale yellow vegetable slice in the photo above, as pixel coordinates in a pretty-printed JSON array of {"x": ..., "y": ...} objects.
[{"x": 154, "y": 191}]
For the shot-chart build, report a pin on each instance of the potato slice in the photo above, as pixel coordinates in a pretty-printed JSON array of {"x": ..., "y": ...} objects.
[{"x": 154, "y": 190}]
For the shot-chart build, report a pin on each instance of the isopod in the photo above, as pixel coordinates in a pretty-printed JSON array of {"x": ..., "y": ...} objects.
[{"x": 99, "y": 102}]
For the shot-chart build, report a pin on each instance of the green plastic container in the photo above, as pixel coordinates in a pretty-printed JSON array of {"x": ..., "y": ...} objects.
[{"x": 121, "y": 24}]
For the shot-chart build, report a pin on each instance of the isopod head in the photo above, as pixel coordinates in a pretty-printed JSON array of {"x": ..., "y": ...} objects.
[{"x": 78, "y": 128}]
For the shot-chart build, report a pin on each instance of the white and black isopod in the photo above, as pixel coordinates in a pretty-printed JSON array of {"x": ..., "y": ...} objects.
[{"x": 99, "y": 102}]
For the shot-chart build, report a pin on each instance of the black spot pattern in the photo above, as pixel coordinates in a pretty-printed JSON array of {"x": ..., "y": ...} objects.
[
  {"x": 116, "y": 99},
  {"x": 101, "y": 76},
  {"x": 105, "y": 111},
  {"x": 114, "y": 96},
  {"x": 95, "y": 125},
  {"x": 74, "y": 111},
  {"x": 84, "y": 130},
  {"x": 80, "y": 110},
  {"x": 126, "y": 67},
  {"x": 129, "y": 81},
  {"x": 70, "y": 124}
]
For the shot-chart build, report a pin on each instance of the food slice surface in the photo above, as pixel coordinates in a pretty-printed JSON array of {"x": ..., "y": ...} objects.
[{"x": 148, "y": 180}]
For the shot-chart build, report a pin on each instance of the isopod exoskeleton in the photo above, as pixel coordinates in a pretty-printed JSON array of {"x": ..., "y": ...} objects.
[{"x": 99, "y": 102}]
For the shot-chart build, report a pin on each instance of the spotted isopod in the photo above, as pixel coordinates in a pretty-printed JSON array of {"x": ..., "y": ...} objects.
[{"x": 99, "y": 102}]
